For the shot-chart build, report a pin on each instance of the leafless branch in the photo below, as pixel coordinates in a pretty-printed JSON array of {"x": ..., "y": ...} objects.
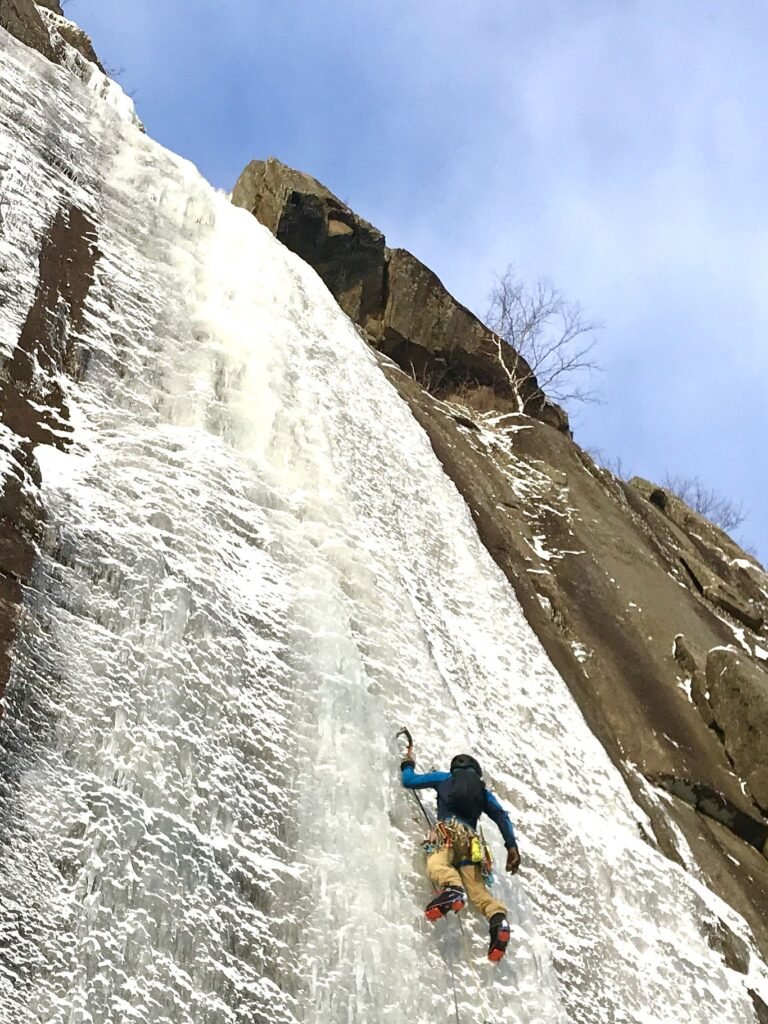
[
  {"x": 546, "y": 332},
  {"x": 613, "y": 463}
]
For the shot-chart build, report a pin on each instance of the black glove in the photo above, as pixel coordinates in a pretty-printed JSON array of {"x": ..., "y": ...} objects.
[
  {"x": 407, "y": 763},
  {"x": 513, "y": 860}
]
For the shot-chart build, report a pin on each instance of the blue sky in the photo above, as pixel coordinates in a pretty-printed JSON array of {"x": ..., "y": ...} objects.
[{"x": 617, "y": 147}]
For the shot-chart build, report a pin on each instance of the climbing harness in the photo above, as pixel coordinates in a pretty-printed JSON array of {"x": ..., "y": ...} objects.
[{"x": 448, "y": 834}]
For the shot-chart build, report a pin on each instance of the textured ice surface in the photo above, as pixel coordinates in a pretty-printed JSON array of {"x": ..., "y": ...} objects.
[{"x": 254, "y": 572}]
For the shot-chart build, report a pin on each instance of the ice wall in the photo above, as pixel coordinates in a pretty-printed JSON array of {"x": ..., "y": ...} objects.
[{"x": 254, "y": 572}]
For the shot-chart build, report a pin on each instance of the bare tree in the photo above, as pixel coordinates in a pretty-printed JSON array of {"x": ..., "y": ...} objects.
[
  {"x": 537, "y": 324},
  {"x": 722, "y": 511},
  {"x": 613, "y": 463}
]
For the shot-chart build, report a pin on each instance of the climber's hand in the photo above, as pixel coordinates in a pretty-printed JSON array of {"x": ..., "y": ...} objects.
[{"x": 513, "y": 860}]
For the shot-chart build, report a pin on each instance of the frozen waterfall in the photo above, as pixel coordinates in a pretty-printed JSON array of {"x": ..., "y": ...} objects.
[{"x": 254, "y": 572}]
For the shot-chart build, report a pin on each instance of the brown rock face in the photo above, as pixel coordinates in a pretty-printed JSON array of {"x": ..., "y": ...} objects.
[
  {"x": 79, "y": 40},
  {"x": 403, "y": 308},
  {"x": 738, "y": 695},
  {"x": 23, "y": 20},
  {"x": 761, "y": 1008},
  {"x": 444, "y": 346},
  {"x": 32, "y": 402},
  {"x": 716, "y": 567},
  {"x": 33, "y": 405},
  {"x": 50, "y": 34},
  {"x": 346, "y": 251},
  {"x": 21, "y": 517}
]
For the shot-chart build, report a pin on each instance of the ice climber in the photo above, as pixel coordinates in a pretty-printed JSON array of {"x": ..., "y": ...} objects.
[{"x": 457, "y": 863}]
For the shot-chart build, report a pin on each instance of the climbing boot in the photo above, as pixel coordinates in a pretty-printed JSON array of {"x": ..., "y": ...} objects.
[
  {"x": 452, "y": 898},
  {"x": 499, "y": 937}
]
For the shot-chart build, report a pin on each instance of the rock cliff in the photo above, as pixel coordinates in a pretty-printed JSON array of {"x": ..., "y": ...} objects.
[
  {"x": 655, "y": 618},
  {"x": 33, "y": 406},
  {"x": 402, "y": 307},
  {"x": 43, "y": 27}
]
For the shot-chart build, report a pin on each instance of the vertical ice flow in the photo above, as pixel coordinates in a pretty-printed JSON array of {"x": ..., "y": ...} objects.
[{"x": 254, "y": 571}]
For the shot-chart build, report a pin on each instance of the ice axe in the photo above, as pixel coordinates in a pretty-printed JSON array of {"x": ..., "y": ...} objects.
[
  {"x": 409, "y": 756},
  {"x": 408, "y": 739}
]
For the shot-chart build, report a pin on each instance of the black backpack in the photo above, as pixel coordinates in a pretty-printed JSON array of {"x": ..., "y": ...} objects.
[{"x": 466, "y": 798}]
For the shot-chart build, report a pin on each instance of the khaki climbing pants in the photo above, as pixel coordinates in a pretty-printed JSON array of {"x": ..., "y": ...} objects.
[{"x": 452, "y": 865}]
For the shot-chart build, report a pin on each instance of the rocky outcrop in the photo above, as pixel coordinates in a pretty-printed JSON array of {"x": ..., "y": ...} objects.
[
  {"x": 444, "y": 346},
  {"x": 738, "y": 696},
  {"x": 717, "y": 568},
  {"x": 751, "y": 829},
  {"x": 761, "y": 1008},
  {"x": 347, "y": 252},
  {"x": 32, "y": 400},
  {"x": 401, "y": 305},
  {"x": 692, "y": 665},
  {"x": 21, "y": 518},
  {"x": 43, "y": 27},
  {"x": 23, "y": 20},
  {"x": 33, "y": 406},
  {"x": 78, "y": 40}
]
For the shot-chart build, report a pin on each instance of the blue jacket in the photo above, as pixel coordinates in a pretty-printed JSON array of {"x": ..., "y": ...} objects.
[{"x": 438, "y": 780}]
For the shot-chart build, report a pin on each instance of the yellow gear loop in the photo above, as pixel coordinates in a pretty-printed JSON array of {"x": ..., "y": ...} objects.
[{"x": 456, "y": 833}]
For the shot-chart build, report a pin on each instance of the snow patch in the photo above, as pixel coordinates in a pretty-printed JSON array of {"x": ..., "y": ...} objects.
[{"x": 581, "y": 652}]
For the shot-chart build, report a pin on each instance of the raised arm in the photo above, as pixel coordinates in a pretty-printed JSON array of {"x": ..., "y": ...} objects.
[{"x": 429, "y": 780}]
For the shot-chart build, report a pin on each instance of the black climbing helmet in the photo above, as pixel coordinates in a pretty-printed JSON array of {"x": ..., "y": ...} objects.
[{"x": 466, "y": 761}]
